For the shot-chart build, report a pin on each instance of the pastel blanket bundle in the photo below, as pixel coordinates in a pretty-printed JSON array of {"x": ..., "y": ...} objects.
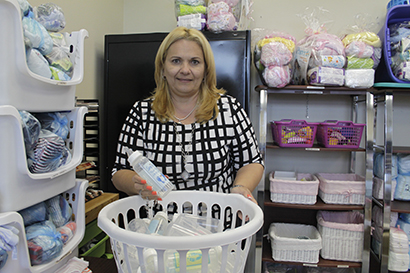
[
  {"x": 363, "y": 52},
  {"x": 221, "y": 15},
  {"x": 317, "y": 51},
  {"x": 273, "y": 55}
]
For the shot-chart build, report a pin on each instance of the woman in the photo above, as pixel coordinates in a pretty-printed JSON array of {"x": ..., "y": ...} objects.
[{"x": 199, "y": 137}]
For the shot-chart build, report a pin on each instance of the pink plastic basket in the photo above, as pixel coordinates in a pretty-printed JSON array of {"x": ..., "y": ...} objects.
[
  {"x": 294, "y": 133},
  {"x": 340, "y": 134}
]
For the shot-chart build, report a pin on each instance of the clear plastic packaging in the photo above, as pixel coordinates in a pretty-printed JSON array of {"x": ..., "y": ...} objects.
[
  {"x": 138, "y": 225},
  {"x": 193, "y": 225},
  {"x": 148, "y": 171}
]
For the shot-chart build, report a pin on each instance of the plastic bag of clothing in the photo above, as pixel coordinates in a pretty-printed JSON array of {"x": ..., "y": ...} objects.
[
  {"x": 3, "y": 258},
  {"x": 50, "y": 16},
  {"x": 34, "y": 214},
  {"x": 49, "y": 153},
  {"x": 59, "y": 57},
  {"x": 8, "y": 241},
  {"x": 38, "y": 64},
  {"x": 44, "y": 242},
  {"x": 59, "y": 211},
  {"x": 25, "y": 7},
  {"x": 37, "y": 34},
  {"x": 55, "y": 122},
  {"x": 31, "y": 130}
]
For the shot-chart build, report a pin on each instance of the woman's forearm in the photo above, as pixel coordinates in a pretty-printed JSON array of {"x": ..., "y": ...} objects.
[{"x": 249, "y": 176}]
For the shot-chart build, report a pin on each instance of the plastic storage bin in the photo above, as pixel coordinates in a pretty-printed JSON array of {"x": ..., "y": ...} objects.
[
  {"x": 235, "y": 240},
  {"x": 339, "y": 134},
  {"x": 18, "y": 85},
  {"x": 20, "y": 187},
  {"x": 384, "y": 72},
  {"x": 295, "y": 242},
  {"x": 340, "y": 188},
  {"x": 301, "y": 190},
  {"x": 393, "y": 3},
  {"x": 294, "y": 133},
  {"x": 75, "y": 197},
  {"x": 342, "y": 235}
]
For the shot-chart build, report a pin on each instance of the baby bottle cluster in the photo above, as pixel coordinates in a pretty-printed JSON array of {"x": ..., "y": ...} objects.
[{"x": 183, "y": 224}]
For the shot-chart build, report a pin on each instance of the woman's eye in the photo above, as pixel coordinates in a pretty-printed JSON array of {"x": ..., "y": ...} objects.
[
  {"x": 175, "y": 61},
  {"x": 196, "y": 62}
]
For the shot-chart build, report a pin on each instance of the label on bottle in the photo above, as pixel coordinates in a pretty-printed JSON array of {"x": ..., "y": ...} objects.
[
  {"x": 155, "y": 173},
  {"x": 193, "y": 260}
]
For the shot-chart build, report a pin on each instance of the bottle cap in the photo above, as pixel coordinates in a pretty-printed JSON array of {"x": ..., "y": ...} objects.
[
  {"x": 132, "y": 155},
  {"x": 162, "y": 213}
]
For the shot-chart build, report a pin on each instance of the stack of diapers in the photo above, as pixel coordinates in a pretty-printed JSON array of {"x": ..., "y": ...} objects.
[
  {"x": 403, "y": 178},
  {"x": 363, "y": 52},
  {"x": 191, "y": 13},
  {"x": 48, "y": 228},
  {"x": 273, "y": 57},
  {"x": 322, "y": 56},
  {"x": 46, "y": 48},
  {"x": 378, "y": 172},
  {"x": 404, "y": 224},
  {"x": 400, "y": 50}
]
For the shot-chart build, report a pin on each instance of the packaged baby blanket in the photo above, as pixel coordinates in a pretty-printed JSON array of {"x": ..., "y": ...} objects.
[
  {"x": 359, "y": 78},
  {"x": 317, "y": 49},
  {"x": 273, "y": 56}
]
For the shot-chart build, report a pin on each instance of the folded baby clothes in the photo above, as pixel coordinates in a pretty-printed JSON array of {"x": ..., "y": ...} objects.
[
  {"x": 359, "y": 63},
  {"x": 359, "y": 78},
  {"x": 327, "y": 76}
]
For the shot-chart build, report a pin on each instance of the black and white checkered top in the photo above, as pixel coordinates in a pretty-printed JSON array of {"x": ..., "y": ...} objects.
[{"x": 219, "y": 148}]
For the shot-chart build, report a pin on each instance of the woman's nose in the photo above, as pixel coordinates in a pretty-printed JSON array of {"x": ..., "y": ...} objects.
[{"x": 185, "y": 68}]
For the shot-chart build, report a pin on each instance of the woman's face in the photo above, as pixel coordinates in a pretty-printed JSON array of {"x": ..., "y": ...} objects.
[{"x": 184, "y": 67}]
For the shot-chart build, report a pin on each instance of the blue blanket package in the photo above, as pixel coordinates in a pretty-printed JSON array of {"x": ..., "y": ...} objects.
[
  {"x": 34, "y": 214},
  {"x": 59, "y": 210},
  {"x": 402, "y": 188},
  {"x": 44, "y": 242},
  {"x": 403, "y": 164},
  {"x": 378, "y": 165},
  {"x": 55, "y": 122},
  {"x": 38, "y": 35}
]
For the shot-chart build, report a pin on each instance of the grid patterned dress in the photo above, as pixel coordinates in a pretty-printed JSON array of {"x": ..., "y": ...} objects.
[{"x": 216, "y": 149}]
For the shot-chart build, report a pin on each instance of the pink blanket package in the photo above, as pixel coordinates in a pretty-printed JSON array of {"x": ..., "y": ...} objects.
[{"x": 273, "y": 57}]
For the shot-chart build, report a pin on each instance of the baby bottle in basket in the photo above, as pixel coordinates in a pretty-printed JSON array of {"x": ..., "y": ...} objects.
[
  {"x": 158, "y": 224},
  {"x": 148, "y": 171}
]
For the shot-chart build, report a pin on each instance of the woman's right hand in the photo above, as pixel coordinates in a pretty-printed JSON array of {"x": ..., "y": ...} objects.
[{"x": 144, "y": 190}]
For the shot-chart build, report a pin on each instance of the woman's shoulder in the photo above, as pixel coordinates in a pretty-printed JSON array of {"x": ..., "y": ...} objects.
[{"x": 227, "y": 100}]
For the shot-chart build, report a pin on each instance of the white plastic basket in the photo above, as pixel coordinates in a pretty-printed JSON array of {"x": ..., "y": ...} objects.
[
  {"x": 295, "y": 242},
  {"x": 19, "y": 188},
  {"x": 21, "y": 87},
  {"x": 234, "y": 241},
  {"x": 341, "y": 188},
  {"x": 75, "y": 198},
  {"x": 296, "y": 191},
  {"x": 342, "y": 235}
]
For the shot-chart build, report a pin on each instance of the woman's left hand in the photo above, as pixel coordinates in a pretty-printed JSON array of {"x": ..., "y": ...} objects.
[{"x": 245, "y": 192}]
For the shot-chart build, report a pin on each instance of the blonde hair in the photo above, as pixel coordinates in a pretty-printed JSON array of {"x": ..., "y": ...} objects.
[{"x": 208, "y": 92}]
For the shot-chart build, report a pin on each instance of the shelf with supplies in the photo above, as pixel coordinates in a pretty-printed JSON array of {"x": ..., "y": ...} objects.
[
  {"x": 384, "y": 97},
  {"x": 306, "y": 214}
]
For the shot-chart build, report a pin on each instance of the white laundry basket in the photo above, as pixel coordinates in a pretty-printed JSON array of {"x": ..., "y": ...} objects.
[{"x": 234, "y": 241}]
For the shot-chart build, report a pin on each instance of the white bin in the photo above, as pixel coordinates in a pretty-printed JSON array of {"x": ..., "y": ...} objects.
[
  {"x": 18, "y": 85},
  {"x": 234, "y": 242},
  {"x": 75, "y": 198},
  {"x": 19, "y": 188}
]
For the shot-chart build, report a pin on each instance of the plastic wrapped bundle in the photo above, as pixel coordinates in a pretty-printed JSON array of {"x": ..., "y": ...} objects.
[
  {"x": 34, "y": 214},
  {"x": 220, "y": 17},
  {"x": 50, "y": 16},
  {"x": 55, "y": 122},
  {"x": 191, "y": 13},
  {"x": 31, "y": 130},
  {"x": 59, "y": 211},
  {"x": 58, "y": 57},
  {"x": 38, "y": 35},
  {"x": 403, "y": 164},
  {"x": 44, "y": 242}
]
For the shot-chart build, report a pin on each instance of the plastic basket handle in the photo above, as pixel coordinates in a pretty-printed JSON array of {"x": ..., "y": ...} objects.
[
  {"x": 340, "y": 123},
  {"x": 295, "y": 121}
]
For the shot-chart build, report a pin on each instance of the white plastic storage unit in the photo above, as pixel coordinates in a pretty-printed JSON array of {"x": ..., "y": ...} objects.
[
  {"x": 20, "y": 89},
  {"x": 315, "y": 159}
]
